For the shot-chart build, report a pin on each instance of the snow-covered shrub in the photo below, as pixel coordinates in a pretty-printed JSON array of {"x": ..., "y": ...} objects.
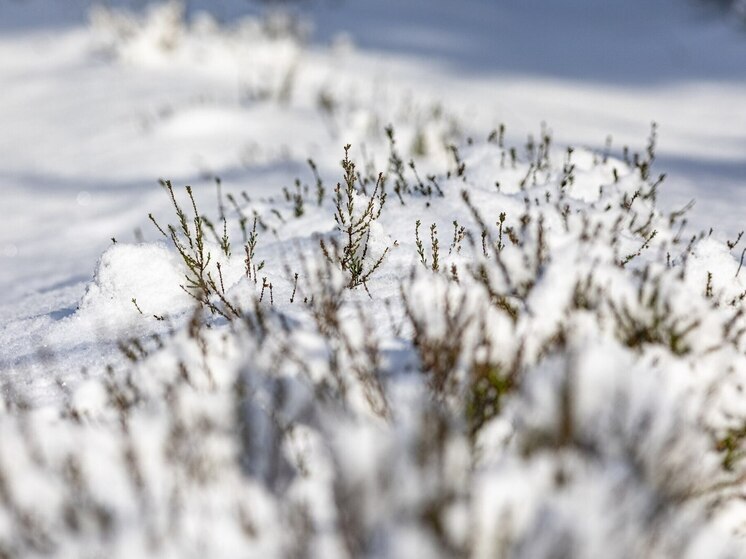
[
  {"x": 261, "y": 52},
  {"x": 533, "y": 362}
]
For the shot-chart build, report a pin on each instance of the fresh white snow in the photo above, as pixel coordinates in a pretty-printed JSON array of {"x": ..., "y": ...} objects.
[{"x": 513, "y": 353}]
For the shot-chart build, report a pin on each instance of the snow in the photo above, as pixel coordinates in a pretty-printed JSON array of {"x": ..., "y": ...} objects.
[
  {"x": 513, "y": 353},
  {"x": 126, "y": 271}
]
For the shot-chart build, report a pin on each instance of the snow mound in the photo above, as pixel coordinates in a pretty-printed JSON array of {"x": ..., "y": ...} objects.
[{"x": 148, "y": 273}]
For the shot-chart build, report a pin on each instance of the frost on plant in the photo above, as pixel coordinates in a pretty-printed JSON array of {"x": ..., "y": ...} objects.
[{"x": 561, "y": 374}]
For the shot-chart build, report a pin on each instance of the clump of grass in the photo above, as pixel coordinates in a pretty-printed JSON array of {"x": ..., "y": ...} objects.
[
  {"x": 354, "y": 227},
  {"x": 396, "y": 167}
]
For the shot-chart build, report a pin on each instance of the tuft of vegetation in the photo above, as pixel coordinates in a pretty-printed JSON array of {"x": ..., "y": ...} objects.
[
  {"x": 531, "y": 371},
  {"x": 354, "y": 225}
]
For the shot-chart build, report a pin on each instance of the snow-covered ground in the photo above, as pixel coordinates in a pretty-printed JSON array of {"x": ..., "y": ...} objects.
[{"x": 577, "y": 358}]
